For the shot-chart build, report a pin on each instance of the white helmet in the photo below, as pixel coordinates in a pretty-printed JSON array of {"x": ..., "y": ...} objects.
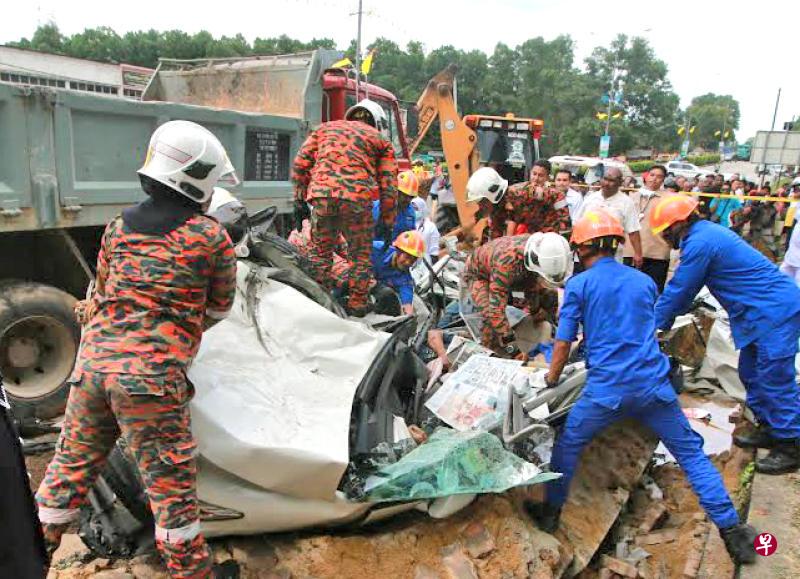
[
  {"x": 549, "y": 255},
  {"x": 188, "y": 159},
  {"x": 486, "y": 183},
  {"x": 232, "y": 215},
  {"x": 376, "y": 117}
]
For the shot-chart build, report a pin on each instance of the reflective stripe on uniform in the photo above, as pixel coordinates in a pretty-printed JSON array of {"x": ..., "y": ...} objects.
[
  {"x": 178, "y": 535},
  {"x": 57, "y": 516}
]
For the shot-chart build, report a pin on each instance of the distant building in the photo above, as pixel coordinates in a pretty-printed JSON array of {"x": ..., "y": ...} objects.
[{"x": 31, "y": 68}]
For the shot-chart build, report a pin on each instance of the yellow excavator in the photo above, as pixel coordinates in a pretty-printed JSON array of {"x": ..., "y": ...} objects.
[{"x": 508, "y": 144}]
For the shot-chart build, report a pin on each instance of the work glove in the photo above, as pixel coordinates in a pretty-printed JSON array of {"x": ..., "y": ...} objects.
[{"x": 301, "y": 212}]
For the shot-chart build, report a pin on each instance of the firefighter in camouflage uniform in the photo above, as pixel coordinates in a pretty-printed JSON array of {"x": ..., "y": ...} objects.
[
  {"x": 340, "y": 169},
  {"x": 165, "y": 271},
  {"x": 531, "y": 264},
  {"x": 530, "y": 207}
]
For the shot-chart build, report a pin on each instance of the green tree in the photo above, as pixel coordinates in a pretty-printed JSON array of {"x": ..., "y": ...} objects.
[
  {"x": 711, "y": 114},
  {"x": 101, "y": 44},
  {"x": 649, "y": 105}
]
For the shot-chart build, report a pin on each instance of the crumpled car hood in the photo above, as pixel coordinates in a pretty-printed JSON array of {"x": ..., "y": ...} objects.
[{"x": 275, "y": 383}]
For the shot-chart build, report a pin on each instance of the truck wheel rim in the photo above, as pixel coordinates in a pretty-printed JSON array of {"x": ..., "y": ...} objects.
[{"x": 36, "y": 356}]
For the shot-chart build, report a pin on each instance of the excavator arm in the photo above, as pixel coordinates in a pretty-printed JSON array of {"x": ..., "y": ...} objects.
[{"x": 458, "y": 140}]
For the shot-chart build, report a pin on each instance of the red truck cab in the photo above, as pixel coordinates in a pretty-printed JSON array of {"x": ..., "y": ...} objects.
[{"x": 340, "y": 94}]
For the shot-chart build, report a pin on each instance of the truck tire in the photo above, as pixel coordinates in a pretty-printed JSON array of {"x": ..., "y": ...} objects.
[{"x": 39, "y": 339}]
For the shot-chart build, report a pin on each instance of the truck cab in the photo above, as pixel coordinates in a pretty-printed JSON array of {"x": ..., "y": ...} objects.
[{"x": 340, "y": 93}]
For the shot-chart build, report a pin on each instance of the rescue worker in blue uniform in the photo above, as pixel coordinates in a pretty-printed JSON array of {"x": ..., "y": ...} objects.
[
  {"x": 764, "y": 310},
  {"x": 628, "y": 377},
  {"x": 406, "y": 219},
  {"x": 390, "y": 266}
]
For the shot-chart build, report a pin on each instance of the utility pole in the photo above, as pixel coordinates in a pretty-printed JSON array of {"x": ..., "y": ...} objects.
[
  {"x": 775, "y": 114},
  {"x": 358, "y": 46},
  {"x": 772, "y": 128},
  {"x": 610, "y": 100}
]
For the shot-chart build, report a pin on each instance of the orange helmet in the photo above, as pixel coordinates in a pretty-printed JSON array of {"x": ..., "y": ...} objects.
[
  {"x": 594, "y": 224},
  {"x": 408, "y": 183},
  {"x": 410, "y": 242},
  {"x": 670, "y": 210}
]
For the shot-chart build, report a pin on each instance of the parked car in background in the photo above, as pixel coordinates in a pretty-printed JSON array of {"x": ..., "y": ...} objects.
[
  {"x": 684, "y": 169},
  {"x": 589, "y": 168}
]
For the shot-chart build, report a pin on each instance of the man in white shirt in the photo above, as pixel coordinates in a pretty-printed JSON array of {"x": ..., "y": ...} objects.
[
  {"x": 655, "y": 251},
  {"x": 620, "y": 206},
  {"x": 574, "y": 198}
]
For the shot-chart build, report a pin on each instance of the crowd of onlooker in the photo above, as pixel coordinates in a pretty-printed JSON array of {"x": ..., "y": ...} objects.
[{"x": 767, "y": 225}]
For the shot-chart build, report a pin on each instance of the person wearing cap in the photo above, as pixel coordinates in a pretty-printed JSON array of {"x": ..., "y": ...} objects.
[
  {"x": 405, "y": 220},
  {"x": 532, "y": 264},
  {"x": 628, "y": 377},
  {"x": 764, "y": 310}
]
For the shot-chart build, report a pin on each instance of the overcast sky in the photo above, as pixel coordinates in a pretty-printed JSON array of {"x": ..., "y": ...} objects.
[{"x": 746, "y": 49}]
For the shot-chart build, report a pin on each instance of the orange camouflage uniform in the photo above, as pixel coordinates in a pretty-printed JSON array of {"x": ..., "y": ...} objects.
[
  {"x": 152, "y": 297},
  {"x": 339, "y": 170},
  {"x": 492, "y": 273},
  {"x": 543, "y": 212}
]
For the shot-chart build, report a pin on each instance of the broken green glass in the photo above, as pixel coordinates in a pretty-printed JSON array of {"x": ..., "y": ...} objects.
[{"x": 452, "y": 463}]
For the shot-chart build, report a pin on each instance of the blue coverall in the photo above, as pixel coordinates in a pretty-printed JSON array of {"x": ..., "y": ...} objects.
[
  {"x": 627, "y": 377},
  {"x": 385, "y": 274},
  {"x": 764, "y": 310},
  {"x": 405, "y": 220}
]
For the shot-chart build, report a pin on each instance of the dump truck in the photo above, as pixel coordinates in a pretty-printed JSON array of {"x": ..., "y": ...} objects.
[{"x": 68, "y": 164}]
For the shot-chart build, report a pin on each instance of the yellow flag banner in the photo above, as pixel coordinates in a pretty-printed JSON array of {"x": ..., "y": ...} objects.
[
  {"x": 366, "y": 66},
  {"x": 344, "y": 63}
]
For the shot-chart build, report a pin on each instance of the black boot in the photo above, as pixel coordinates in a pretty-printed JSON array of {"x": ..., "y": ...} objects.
[
  {"x": 546, "y": 517},
  {"x": 227, "y": 570},
  {"x": 758, "y": 438},
  {"x": 739, "y": 543},
  {"x": 782, "y": 459}
]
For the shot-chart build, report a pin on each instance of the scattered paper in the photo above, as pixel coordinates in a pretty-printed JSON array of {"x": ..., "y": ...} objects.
[{"x": 479, "y": 388}]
